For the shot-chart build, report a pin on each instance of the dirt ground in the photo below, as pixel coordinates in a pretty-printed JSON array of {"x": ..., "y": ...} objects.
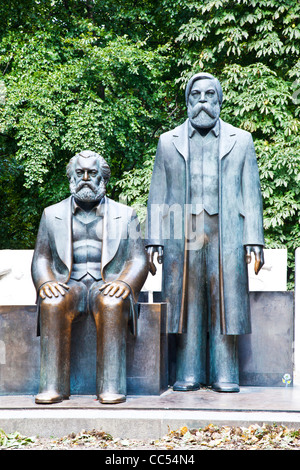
[{"x": 254, "y": 437}]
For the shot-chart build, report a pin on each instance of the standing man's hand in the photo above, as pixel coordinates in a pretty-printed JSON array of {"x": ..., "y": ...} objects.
[
  {"x": 151, "y": 250},
  {"x": 258, "y": 254}
]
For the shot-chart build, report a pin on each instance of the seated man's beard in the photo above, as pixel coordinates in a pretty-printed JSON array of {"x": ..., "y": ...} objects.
[
  {"x": 87, "y": 191},
  {"x": 204, "y": 115}
]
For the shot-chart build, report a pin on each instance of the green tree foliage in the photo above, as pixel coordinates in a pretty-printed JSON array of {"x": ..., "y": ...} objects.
[
  {"x": 253, "y": 47},
  {"x": 73, "y": 83},
  {"x": 110, "y": 76}
]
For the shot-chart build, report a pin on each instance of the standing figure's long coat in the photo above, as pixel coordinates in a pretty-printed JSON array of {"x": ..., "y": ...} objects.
[{"x": 240, "y": 222}]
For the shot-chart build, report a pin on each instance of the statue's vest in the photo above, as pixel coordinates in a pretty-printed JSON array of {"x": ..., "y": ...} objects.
[
  {"x": 87, "y": 247},
  {"x": 204, "y": 172}
]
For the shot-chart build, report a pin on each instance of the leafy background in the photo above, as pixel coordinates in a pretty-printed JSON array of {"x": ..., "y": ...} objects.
[{"x": 110, "y": 76}]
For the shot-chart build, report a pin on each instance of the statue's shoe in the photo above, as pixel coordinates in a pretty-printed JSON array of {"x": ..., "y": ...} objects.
[
  {"x": 225, "y": 387},
  {"x": 111, "y": 398},
  {"x": 181, "y": 386},
  {"x": 48, "y": 397}
]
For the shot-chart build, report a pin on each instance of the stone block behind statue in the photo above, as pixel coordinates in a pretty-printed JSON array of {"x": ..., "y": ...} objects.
[
  {"x": 205, "y": 220},
  {"x": 89, "y": 258}
]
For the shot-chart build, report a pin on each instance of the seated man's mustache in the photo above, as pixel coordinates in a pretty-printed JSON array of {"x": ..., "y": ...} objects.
[
  {"x": 83, "y": 184},
  {"x": 201, "y": 107}
]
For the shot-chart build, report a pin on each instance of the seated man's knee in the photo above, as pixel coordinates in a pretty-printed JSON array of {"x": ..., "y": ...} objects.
[
  {"x": 102, "y": 303},
  {"x": 108, "y": 300},
  {"x": 53, "y": 301},
  {"x": 73, "y": 300}
]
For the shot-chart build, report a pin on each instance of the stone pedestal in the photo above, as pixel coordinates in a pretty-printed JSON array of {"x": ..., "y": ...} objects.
[
  {"x": 297, "y": 317},
  {"x": 20, "y": 350},
  {"x": 267, "y": 355},
  {"x": 147, "y": 354}
]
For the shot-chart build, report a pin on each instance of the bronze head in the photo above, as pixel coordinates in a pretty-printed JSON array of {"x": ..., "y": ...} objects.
[
  {"x": 204, "y": 100},
  {"x": 88, "y": 175}
]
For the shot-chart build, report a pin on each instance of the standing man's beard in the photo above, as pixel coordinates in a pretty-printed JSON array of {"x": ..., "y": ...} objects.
[
  {"x": 203, "y": 115},
  {"x": 87, "y": 191}
]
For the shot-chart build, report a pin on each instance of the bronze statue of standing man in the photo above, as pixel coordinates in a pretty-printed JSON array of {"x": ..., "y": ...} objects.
[{"x": 205, "y": 220}]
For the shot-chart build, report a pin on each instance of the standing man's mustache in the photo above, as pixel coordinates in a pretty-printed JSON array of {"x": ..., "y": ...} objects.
[{"x": 201, "y": 107}]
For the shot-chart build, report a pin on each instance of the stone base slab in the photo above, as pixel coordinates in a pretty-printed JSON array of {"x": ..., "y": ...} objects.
[
  {"x": 266, "y": 356},
  {"x": 147, "y": 354}
]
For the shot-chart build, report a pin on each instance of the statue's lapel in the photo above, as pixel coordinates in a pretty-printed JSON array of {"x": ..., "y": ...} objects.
[
  {"x": 63, "y": 232},
  {"x": 112, "y": 231},
  {"x": 181, "y": 139},
  {"x": 227, "y": 138}
]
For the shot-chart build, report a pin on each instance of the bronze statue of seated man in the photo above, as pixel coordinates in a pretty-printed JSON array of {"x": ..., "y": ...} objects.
[{"x": 89, "y": 258}]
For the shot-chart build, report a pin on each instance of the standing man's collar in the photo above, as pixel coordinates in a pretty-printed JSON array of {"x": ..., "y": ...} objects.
[{"x": 215, "y": 130}]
